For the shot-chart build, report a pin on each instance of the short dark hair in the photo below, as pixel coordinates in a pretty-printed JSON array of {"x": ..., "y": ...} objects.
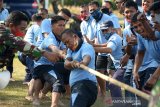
[
  {"x": 36, "y": 17},
  {"x": 94, "y": 3},
  {"x": 131, "y": 3},
  {"x": 107, "y": 1},
  {"x": 16, "y": 17},
  {"x": 66, "y": 12},
  {"x": 43, "y": 9},
  {"x": 55, "y": 19},
  {"x": 83, "y": 5},
  {"x": 71, "y": 32}
]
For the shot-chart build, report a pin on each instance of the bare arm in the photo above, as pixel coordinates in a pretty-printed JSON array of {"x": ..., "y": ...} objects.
[
  {"x": 124, "y": 60},
  {"x": 51, "y": 56},
  {"x": 74, "y": 64},
  {"x": 100, "y": 45},
  {"x": 103, "y": 49},
  {"x": 153, "y": 79},
  {"x": 131, "y": 42},
  {"x": 128, "y": 49},
  {"x": 55, "y": 49},
  {"x": 86, "y": 38},
  {"x": 67, "y": 64},
  {"x": 137, "y": 64},
  {"x": 119, "y": 32},
  {"x": 88, "y": 41},
  {"x": 86, "y": 60},
  {"x": 138, "y": 60},
  {"x": 156, "y": 74}
]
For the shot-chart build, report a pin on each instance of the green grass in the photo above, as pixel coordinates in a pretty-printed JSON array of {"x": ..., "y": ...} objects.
[{"x": 14, "y": 94}]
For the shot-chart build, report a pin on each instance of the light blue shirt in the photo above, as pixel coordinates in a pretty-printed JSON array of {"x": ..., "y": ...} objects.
[
  {"x": 115, "y": 43},
  {"x": 50, "y": 40},
  {"x": 96, "y": 25},
  {"x": 115, "y": 21},
  {"x": 98, "y": 33},
  {"x": 46, "y": 27},
  {"x": 4, "y": 14},
  {"x": 152, "y": 47},
  {"x": 148, "y": 61},
  {"x": 157, "y": 34},
  {"x": 32, "y": 34},
  {"x": 101, "y": 40},
  {"x": 126, "y": 23},
  {"x": 127, "y": 32},
  {"x": 87, "y": 29},
  {"x": 80, "y": 74},
  {"x": 40, "y": 38}
]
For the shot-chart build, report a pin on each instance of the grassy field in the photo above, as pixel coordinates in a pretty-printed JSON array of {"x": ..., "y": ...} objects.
[{"x": 14, "y": 94}]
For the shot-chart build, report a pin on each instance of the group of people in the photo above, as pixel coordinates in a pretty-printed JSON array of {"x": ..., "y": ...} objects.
[{"x": 52, "y": 54}]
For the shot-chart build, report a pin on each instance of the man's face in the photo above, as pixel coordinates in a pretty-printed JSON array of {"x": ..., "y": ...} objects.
[
  {"x": 58, "y": 27},
  {"x": 84, "y": 12},
  {"x": 43, "y": 13},
  {"x": 120, "y": 5},
  {"x": 129, "y": 12},
  {"x": 139, "y": 28},
  {"x": 64, "y": 16},
  {"x": 19, "y": 30},
  {"x": 70, "y": 41},
  {"x": 92, "y": 8},
  {"x": 146, "y": 4},
  {"x": 106, "y": 5}
]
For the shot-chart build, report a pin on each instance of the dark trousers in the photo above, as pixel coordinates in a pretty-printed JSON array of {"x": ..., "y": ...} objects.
[
  {"x": 28, "y": 62},
  {"x": 59, "y": 68},
  {"x": 9, "y": 65},
  {"x": 144, "y": 76},
  {"x": 129, "y": 97},
  {"x": 116, "y": 92},
  {"x": 83, "y": 94}
]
